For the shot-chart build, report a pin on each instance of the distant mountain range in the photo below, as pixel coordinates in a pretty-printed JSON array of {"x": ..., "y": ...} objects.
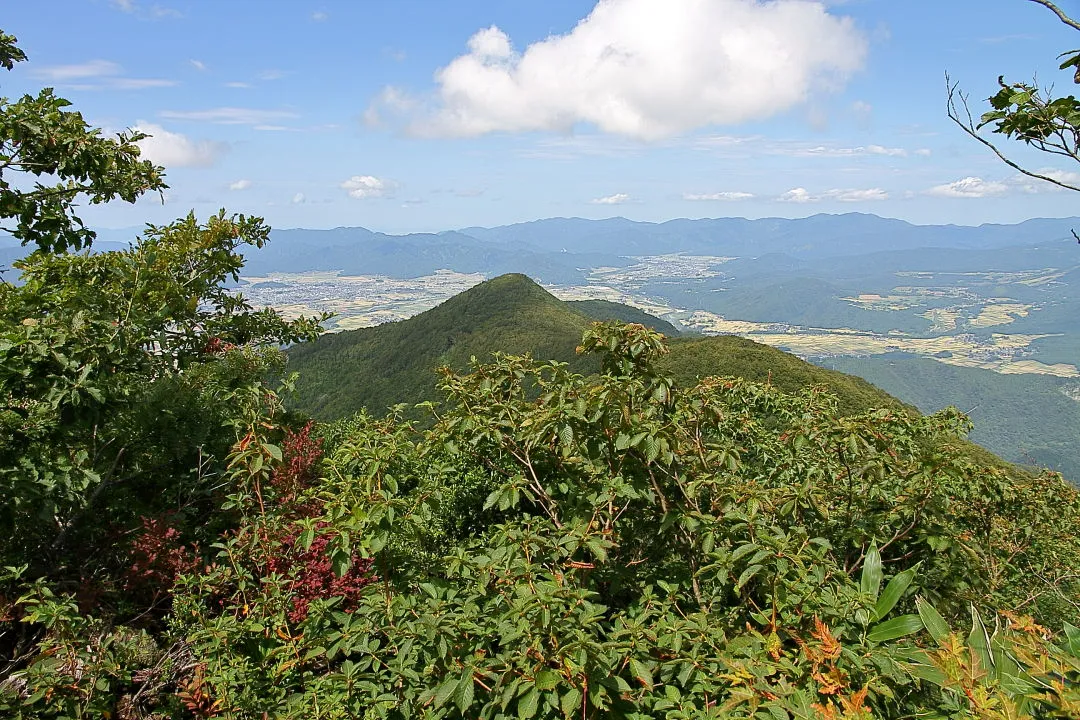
[{"x": 557, "y": 250}]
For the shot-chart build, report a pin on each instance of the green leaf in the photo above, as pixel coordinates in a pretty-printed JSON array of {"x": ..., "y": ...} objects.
[
  {"x": 979, "y": 641},
  {"x": 871, "y": 572},
  {"x": 546, "y": 679},
  {"x": 747, "y": 575},
  {"x": 463, "y": 691},
  {"x": 932, "y": 620},
  {"x": 744, "y": 550},
  {"x": 570, "y": 702},
  {"x": 893, "y": 592},
  {"x": 898, "y": 627},
  {"x": 527, "y": 705},
  {"x": 1072, "y": 640},
  {"x": 641, "y": 673},
  {"x": 446, "y": 689}
]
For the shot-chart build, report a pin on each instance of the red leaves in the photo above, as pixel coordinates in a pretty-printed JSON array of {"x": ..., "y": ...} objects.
[
  {"x": 300, "y": 453},
  {"x": 158, "y": 556},
  {"x": 217, "y": 346},
  {"x": 312, "y": 575}
]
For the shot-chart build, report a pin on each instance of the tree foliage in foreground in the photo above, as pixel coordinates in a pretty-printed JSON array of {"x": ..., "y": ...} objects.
[{"x": 609, "y": 546}]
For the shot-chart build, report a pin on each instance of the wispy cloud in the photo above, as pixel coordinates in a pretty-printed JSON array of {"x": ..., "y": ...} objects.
[
  {"x": 242, "y": 184},
  {"x": 802, "y": 195},
  {"x": 148, "y": 12},
  {"x": 969, "y": 187},
  {"x": 231, "y": 115},
  {"x": 95, "y": 75},
  {"x": 718, "y": 196},
  {"x": 198, "y": 65},
  {"x": 616, "y": 199},
  {"x": 319, "y": 16},
  {"x": 840, "y": 152}
]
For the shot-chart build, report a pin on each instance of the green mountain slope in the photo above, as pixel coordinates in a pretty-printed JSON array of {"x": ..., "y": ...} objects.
[
  {"x": 693, "y": 359},
  {"x": 381, "y": 366},
  {"x": 606, "y": 310},
  {"x": 1026, "y": 419},
  {"x": 378, "y": 367}
]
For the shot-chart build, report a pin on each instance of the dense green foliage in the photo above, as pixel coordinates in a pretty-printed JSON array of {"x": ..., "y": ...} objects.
[
  {"x": 1025, "y": 419},
  {"x": 604, "y": 546}
]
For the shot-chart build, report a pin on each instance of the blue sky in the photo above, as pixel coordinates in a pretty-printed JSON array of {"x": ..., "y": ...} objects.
[{"x": 419, "y": 115}]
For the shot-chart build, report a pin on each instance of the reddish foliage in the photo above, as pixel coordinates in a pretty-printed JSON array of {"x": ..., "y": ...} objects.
[
  {"x": 300, "y": 455},
  {"x": 217, "y": 346},
  {"x": 312, "y": 574},
  {"x": 158, "y": 556}
]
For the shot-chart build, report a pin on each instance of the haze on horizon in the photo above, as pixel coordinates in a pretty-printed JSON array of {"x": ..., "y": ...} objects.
[{"x": 424, "y": 116}]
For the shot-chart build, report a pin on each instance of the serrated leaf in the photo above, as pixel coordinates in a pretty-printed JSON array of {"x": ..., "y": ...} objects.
[
  {"x": 445, "y": 690},
  {"x": 743, "y": 550},
  {"x": 747, "y": 575},
  {"x": 570, "y": 702},
  {"x": 526, "y": 706},
  {"x": 463, "y": 690},
  {"x": 546, "y": 679}
]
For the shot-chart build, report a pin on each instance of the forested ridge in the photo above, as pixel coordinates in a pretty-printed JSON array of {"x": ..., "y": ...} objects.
[
  {"x": 376, "y": 368},
  {"x": 622, "y": 533}
]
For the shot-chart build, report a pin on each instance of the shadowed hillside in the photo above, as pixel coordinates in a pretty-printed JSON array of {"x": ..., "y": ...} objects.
[{"x": 1026, "y": 419}]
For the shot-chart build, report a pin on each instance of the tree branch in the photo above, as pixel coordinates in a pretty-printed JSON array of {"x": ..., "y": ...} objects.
[
  {"x": 1057, "y": 11},
  {"x": 968, "y": 127}
]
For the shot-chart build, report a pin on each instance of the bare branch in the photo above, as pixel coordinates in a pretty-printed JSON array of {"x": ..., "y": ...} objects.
[
  {"x": 968, "y": 126},
  {"x": 1058, "y": 11}
]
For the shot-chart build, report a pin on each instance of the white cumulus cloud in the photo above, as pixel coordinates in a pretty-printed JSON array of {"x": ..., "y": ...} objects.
[
  {"x": 298, "y": 199},
  {"x": 797, "y": 195},
  {"x": 243, "y": 184},
  {"x": 365, "y": 186},
  {"x": 969, "y": 187},
  {"x": 175, "y": 149},
  {"x": 648, "y": 69},
  {"x": 616, "y": 199},
  {"x": 728, "y": 196}
]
